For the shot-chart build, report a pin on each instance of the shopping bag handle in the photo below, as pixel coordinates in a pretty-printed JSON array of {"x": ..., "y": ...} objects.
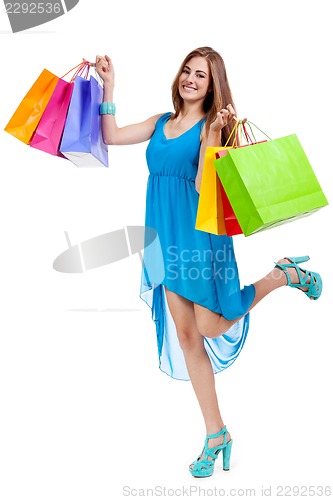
[
  {"x": 93, "y": 65},
  {"x": 246, "y": 134},
  {"x": 243, "y": 132},
  {"x": 235, "y": 128},
  {"x": 251, "y": 123},
  {"x": 81, "y": 69},
  {"x": 241, "y": 125}
]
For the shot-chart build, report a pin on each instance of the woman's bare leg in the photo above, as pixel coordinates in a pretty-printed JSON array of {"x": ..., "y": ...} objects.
[
  {"x": 197, "y": 361},
  {"x": 211, "y": 324}
]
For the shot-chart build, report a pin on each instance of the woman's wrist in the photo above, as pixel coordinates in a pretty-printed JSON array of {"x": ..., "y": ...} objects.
[
  {"x": 108, "y": 91},
  {"x": 214, "y": 137}
]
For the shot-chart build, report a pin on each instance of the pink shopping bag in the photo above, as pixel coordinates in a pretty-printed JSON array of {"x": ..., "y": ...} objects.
[{"x": 48, "y": 133}]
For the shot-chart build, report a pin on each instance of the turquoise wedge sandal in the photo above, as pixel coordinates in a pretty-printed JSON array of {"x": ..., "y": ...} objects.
[
  {"x": 205, "y": 466},
  {"x": 315, "y": 285}
]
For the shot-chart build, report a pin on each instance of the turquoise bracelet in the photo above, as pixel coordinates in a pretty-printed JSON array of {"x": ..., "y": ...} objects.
[{"x": 107, "y": 108}]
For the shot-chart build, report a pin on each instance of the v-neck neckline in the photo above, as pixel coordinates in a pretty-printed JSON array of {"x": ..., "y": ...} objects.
[{"x": 178, "y": 136}]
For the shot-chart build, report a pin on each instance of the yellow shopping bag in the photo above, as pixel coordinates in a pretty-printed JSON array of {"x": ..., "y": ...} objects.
[{"x": 210, "y": 217}]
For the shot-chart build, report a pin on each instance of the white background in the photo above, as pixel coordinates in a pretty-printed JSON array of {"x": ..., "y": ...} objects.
[{"x": 85, "y": 411}]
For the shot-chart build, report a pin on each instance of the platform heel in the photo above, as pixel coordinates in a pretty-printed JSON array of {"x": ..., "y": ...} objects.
[
  {"x": 205, "y": 466},
  {"x": 226, "y": 452}
]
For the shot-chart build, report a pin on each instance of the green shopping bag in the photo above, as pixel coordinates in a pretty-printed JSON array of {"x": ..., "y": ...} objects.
[{"x": 269, "y": 183}]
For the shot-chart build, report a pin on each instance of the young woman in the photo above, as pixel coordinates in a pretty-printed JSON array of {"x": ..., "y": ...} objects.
[{"x": 201, "y": 314}]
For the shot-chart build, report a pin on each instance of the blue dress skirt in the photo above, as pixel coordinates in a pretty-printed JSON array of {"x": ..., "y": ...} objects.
[{"x": 194, "y": 264}]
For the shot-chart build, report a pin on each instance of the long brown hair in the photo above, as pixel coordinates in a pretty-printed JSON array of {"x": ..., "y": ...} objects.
[{"x": 219, "y": 95}]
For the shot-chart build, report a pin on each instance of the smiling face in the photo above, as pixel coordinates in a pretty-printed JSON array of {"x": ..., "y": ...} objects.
[{"x": 194, "y": 80}]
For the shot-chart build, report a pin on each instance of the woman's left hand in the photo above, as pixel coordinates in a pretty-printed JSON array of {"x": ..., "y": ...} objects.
[{"x": 223, "y": 117}]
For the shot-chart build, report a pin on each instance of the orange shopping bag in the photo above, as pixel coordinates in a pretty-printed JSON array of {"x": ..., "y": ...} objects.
[{"x": 26, "y": 117}]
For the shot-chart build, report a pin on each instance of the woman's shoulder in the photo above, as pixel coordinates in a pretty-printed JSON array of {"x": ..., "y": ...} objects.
[
  {"x": 159, "y": 119},
  {"x": 163, "y": 116}
]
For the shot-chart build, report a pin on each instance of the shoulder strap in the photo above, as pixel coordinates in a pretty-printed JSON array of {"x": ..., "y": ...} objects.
[
  {"x": 202, "y": 123},
  {"x": 162, "y": 119}
]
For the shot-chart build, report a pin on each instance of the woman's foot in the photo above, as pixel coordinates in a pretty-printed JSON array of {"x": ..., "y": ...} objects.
[
  {"x": 212, "y": 443},
  {"x": 296, "y": 275},
  {"x": 292, "y": 273}
]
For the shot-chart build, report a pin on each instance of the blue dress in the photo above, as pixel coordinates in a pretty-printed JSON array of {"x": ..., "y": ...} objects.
[{"x": 194, "y": 264}]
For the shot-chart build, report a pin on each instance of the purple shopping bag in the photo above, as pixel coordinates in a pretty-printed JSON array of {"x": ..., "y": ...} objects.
[
  {"x": 82, "y": 141},
  {"x": 48, "y": 133}
]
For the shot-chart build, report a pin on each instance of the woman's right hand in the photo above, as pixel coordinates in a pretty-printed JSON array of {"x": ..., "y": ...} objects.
[{"x": 105, "y": 69}]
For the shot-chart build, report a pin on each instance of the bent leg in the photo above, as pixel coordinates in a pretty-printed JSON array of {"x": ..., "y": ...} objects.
[{"x": 211, "y": 324}]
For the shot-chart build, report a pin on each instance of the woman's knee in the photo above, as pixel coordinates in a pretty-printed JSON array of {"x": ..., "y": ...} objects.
[
  {"x": 189, "y": 340},
  {"x": 213, "y": 329}
]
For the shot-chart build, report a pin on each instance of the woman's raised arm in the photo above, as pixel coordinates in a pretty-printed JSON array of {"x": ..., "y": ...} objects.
[{"x": 112, "y": 134}]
